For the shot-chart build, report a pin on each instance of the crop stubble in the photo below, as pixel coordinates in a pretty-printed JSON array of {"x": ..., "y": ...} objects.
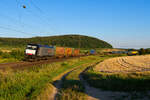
[{"x": 125, "y": 64}]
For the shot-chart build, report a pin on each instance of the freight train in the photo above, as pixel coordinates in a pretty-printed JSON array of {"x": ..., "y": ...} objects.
[
  {"x": 129, "y": 52},
  {"x": 37, "y": 51},
  {"x": 132, "y": 52}
]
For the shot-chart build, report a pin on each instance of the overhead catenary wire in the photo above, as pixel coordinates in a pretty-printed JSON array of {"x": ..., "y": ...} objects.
[
  {"x": 19, "y": 13},
  {"x": 11, "y": 29},
  {"x": 14, "y": 20},
  {"x": 20, "y": 4},
  {"x": 44, "y": 17},
  {"x": 39, "y": 9},
  {"x": 41, "y": 19},
  {"x": 17, "y": 21}
]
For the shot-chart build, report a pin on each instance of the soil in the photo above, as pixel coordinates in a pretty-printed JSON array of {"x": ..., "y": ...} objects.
[{"x": 58, "y": 84}]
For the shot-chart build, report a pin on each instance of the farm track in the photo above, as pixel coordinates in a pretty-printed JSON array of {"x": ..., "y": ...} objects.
[
  {"x": 24, "y": 64},
  {"x": 97, "y": 94},
  {"x": 58, "y": 84},
  {"x": 91, "y": 92}
]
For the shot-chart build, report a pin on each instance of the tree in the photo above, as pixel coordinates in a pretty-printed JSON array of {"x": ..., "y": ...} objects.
[{"x": 142, "y": 51}]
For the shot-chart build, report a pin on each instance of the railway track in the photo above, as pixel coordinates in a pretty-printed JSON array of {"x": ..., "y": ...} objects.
[{"x": 24, "y": 64}]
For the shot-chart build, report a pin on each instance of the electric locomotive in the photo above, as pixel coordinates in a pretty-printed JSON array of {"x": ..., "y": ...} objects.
[{"x": 36, "y": 51}]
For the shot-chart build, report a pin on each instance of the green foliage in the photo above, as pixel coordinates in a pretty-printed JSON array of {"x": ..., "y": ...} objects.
[
  {"x": 65, "y": 40},
  {"x": 16, "y": 54},
  {"x": 1, "y": 52},
  {"x": 144, "y": 51},
  {"x": 6, "y": 55}
]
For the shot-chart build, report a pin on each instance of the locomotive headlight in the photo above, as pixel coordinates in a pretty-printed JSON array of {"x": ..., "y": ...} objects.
[{"x": 30, "y": 52}]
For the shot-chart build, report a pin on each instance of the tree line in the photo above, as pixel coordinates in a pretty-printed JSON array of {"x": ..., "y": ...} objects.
[{"x": 74, "y": 41}]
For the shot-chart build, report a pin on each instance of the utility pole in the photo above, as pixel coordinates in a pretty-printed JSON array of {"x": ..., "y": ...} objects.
[
  {"x": 79, "y": 42},
  {"x": 79, "y": 46}
]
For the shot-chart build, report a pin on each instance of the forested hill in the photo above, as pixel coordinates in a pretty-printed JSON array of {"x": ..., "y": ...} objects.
[{"x": 63, "y": 40}]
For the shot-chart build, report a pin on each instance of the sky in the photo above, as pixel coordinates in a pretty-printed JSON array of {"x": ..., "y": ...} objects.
[{"x": 122, "y": 23}]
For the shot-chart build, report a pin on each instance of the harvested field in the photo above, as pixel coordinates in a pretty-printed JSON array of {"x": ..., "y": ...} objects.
[{"x": 125, "y": 64}]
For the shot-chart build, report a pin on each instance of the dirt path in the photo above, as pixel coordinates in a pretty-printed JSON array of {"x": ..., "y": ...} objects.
[
  {"x": 58, "y": 82},
  {"x": 93, "y": 93},
  {"x": 97, "y": 94}
]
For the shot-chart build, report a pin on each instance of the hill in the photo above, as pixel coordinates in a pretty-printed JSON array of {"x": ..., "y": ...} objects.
[{"x": 63, "y": 40}]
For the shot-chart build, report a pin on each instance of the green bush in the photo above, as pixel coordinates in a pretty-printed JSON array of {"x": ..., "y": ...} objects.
[
  {"x": 6, "y": 55},
  {"x": 144, "y": 51},
  {"x": 1, "y": 52},
  {"x": 17, "y": 54}
]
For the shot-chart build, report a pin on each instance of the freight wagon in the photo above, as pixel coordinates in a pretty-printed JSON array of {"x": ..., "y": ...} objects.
[
  {"x": 68, "y": 52},
  {"x": 76, "y": 52},
  {"x": 60, "y": 52},
  {"x": 92, "y": 52}
]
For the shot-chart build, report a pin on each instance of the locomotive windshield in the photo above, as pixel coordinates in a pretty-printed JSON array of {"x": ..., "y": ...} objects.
[{"x": 33, "y": 47}]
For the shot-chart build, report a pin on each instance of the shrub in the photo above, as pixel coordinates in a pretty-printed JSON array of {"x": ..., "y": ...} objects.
[
  {"x": 1, "y": 52},
  {"x": 17, "y": 54},
  {"x": 142, "y": 51},
  {"x": 6, "y": 55}
]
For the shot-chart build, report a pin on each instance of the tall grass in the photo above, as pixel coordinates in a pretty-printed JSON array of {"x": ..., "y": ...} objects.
[
  {"x": 11, "y": 56},
  {"x": 29, "y": 84}
]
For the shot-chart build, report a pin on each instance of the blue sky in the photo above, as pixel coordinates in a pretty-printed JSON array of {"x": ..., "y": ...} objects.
[{"x": 123, "y": 23}]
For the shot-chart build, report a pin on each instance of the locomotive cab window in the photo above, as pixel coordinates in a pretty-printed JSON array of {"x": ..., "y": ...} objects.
[{"x": 31, "y": 47}]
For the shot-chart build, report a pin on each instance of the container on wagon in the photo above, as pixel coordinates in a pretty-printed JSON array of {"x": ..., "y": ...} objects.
[
  {"x": 68, "y": 52},
  {"x": 59, "y": 52},
  {"x": 76, "y": 52},
  {"x": 92, "y": 52}
]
